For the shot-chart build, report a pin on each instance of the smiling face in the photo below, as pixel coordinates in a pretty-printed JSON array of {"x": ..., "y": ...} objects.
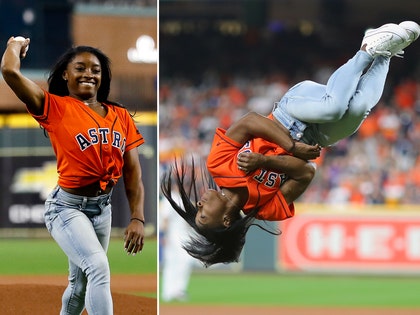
[{"x": 83, "y": 75}]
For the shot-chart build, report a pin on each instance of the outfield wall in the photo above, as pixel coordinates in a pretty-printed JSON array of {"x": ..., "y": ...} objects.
[
  {"x": 340, "y": 239},
  {"x": 28, "y": 168}
]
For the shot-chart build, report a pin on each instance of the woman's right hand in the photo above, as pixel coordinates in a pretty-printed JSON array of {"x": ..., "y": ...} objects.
[
  {"x": 30, "y": 93},
  {"x": 306, "y": 152},
  {"x": 250, "y": 161},
  {"x": 21, "y": 43}
]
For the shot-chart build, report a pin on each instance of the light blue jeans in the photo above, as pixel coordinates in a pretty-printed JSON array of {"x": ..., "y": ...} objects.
[
  {"x": 324, "y": 114},
  {"x": 81, "y": 226}
]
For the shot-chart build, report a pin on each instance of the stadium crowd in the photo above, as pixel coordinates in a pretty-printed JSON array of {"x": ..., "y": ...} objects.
[{"x": 380, "y": 164}]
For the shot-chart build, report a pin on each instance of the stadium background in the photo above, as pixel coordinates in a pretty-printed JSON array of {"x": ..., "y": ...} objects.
[
  {"x": 32, "y": 265},
  {"x": 360, "y": 216},
  {"x": 205, "y": 46}
]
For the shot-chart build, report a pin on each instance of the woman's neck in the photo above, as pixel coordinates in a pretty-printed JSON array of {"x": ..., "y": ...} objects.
[
  {"x": 236, "y": 196},
  {"x": 91, "y": 102}
]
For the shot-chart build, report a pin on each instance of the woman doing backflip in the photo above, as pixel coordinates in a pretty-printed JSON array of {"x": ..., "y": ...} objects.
[{"x": 258, "y": 167}]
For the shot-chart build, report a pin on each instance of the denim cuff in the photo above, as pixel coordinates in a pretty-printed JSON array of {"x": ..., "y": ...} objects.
[{"x": 295, "y": 127}]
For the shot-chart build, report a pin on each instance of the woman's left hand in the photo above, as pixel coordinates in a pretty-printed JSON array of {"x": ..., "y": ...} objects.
[
  {"x": 306, "y": 152},
  {"x": 250, "y": 161},
  {"x": 134, "y": 237}
]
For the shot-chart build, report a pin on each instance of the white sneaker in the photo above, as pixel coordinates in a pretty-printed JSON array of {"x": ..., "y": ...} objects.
[
  {"x": 387, "y": 40},
  {"x": 412, "y": 29}
]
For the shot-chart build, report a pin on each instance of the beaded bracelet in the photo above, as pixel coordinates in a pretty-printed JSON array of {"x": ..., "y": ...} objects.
[{"x": 142, "y": 221}]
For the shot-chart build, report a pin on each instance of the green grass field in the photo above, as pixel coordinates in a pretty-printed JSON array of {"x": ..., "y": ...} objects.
[
  {"x": 304, "y": 291},
  {"x": 43, "y": 256}
]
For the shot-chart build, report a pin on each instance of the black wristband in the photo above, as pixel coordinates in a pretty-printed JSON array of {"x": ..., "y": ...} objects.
[{"x": 142, "y": 221}]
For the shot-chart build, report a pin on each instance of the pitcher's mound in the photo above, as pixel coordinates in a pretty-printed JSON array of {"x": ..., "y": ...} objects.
[{"x": 33, "y": 299}]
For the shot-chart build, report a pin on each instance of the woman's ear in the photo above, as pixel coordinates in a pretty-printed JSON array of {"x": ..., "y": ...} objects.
[
  {"x": 64, "y": 76},
  {"x": 226, "y": 221}
]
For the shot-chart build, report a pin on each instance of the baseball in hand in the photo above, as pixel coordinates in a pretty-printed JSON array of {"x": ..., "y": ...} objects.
[{"x": 19, "y": 38}]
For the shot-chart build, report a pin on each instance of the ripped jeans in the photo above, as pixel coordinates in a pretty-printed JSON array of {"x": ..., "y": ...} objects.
[{"x": 82, "y": 226}]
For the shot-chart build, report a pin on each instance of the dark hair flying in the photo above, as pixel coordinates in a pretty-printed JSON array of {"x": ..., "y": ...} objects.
[{"x": 210, "y": 246}]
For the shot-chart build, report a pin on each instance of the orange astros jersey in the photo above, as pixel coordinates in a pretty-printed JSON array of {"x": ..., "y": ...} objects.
[
  {"x": 263, "y": 186},
  {"x": 89, "y": 148}
]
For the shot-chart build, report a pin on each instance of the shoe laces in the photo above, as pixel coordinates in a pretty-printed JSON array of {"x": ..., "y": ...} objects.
[
  {"x": 386, "y": 53},
  {"x": 399, "y": 54},
  {"x": 380, "y": 52}
]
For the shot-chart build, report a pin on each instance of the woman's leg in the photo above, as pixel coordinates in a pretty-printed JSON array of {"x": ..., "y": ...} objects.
[
  {"x": 73, "y": 299},
  {"x": 74, "y": 232},
  {"x": 100, "y": 302},
  {"x": 84, "y": 240},
  {"x": 311, "y": 102},
  {"x": 367, "y": 95}
]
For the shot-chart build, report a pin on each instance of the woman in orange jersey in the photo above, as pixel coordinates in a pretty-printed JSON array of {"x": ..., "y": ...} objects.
[
  {"x": 250, "y": 177},
  {"x": 95, "y": 143},
  {"x": 251, "y": 167}
]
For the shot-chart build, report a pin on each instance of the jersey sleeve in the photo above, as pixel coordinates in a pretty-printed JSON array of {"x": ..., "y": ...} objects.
[
  {"x": 133, "y": 135},
  {"x": 52, "y": 110},
  {"x": 276, "y": 209},
  {"x": 222, "y": 161}
]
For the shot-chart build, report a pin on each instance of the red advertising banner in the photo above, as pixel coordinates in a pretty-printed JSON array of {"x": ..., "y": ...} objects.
[{"x": 355, "y": 242}]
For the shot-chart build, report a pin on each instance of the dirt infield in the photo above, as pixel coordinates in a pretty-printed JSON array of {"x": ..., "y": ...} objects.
[{"x": 41, "y": 295}]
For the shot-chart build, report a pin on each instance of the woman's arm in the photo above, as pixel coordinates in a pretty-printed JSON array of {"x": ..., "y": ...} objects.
[
  {"x": 26, "y": 90},
  {"x": 251, "y": 161},
  {"x": 254, "y": 125},
  {"x": 134, "y": 234},
  {"x": 299, "y": 172}
]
